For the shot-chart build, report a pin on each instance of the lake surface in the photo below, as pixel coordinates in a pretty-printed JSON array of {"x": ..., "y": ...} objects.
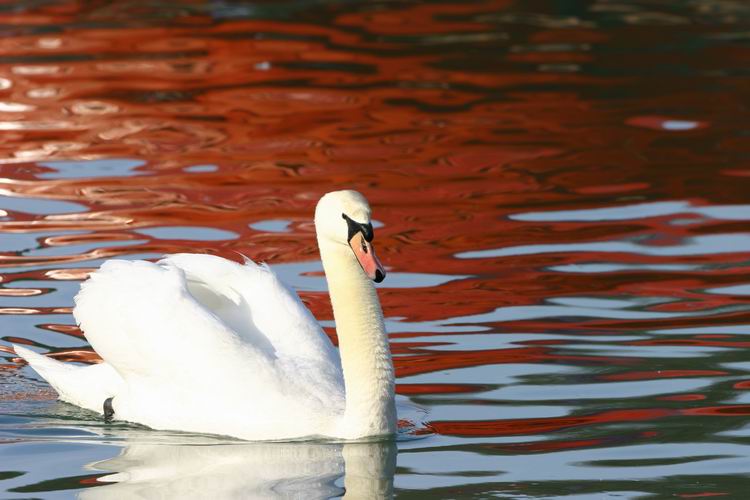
[{"x": 562, "y": 191}]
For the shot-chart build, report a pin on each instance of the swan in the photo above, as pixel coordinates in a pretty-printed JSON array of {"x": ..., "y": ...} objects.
[{"x": 203, "y": 344}]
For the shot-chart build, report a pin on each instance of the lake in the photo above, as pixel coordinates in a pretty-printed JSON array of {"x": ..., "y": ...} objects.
[{"x": 562, "y": 200}]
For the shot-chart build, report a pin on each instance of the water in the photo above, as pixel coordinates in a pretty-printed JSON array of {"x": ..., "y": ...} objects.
[{"x": 561, "y": 191}]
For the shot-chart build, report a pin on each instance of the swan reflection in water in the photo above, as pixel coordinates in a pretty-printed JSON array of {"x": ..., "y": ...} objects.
[{"x": 248, "y": 470}]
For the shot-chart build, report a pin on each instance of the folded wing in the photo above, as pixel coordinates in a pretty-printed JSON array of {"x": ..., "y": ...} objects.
[{"x": 200, "y": 323}]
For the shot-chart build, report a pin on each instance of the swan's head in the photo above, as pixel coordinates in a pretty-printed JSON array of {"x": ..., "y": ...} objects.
[{"x": 343, "y": 217}]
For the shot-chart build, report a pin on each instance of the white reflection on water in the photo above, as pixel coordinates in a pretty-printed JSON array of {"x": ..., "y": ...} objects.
[
  {"x": 197, "y": 169},
  {"x": 700, "y": 330},
  {"x": 638, "y": 211},
  {"x": 614, "y": 464},
  {"x": 271, "y": 226},
  {"x": 248, "y": 470},
  {"x": 611, "y": 267},
  {"x": 604, "y": 391},
  {"x": 40, "y": 206},
  {"x": 508, "y": 340},
  {"x": 78, "y": 249},
  {"x": 56, "y": 293},
  {"x": 679, "y": 125},
  {"x": 85, "y": 263},
  {"x": 649, "y": 351},
  {"x": 699, "y": 245},
  {"x": 192, "y": 233},
  {"x": 500, "y": 374},
  {"x": 87, "y": 169},
  {"x": 23, "y": 242},
  {"x": 730, "y": 290}
]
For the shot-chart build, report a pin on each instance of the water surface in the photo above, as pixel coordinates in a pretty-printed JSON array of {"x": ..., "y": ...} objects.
[{"x": 561, "y": 190}]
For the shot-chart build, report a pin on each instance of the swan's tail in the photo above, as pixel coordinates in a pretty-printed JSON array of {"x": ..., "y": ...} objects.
[{"x": 84, "y": 386}]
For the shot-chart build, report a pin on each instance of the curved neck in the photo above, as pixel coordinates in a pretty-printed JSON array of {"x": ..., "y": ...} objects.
[{"x": 363, "y": 344}]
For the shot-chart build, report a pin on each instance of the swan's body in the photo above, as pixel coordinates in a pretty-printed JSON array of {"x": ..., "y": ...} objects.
[{"x": 203, "y": 344}]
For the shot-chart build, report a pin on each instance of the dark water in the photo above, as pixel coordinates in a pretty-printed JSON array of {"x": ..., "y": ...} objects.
[{"x": 563, "y": 191}]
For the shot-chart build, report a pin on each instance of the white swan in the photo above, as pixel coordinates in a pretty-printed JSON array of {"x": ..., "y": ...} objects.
[{"x": 202, "y": 344}]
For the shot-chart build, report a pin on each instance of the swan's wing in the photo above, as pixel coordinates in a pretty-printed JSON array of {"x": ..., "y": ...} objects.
[
  {"x": 141, "y": 318},
  {"x": 198, "y": 321},
  {"x": 258, "y": 306},
  {"x": 266, "y": 314}
]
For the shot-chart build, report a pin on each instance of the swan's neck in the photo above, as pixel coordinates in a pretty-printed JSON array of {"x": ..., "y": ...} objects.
[{"x": 363, "y": 344}]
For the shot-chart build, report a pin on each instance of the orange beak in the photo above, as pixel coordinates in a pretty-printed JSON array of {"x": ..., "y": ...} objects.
[{"x": 365, "y": 254}]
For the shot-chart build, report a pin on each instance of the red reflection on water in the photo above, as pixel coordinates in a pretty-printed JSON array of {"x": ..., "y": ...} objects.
[
  {"x": 683, "y": 397},
  {"x": 513, "y": 427},
  {"x": 543, "y": 425},
  {"x": 721, "y": 411},
  {"x": 445, "y": 360},
  {"x": 410, "y": 389}
]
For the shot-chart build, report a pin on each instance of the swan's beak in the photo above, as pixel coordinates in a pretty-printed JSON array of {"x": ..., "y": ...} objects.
[{"x": 367, "y": 259}]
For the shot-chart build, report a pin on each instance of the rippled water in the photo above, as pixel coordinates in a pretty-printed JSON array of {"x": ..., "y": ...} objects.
[{"x": 562, "y": 190}]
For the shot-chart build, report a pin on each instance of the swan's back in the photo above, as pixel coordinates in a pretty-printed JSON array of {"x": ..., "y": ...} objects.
[{"x": 210, "y": 345}]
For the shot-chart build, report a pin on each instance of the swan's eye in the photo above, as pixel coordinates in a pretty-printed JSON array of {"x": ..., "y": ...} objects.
[{"x": 367, "y": 231}]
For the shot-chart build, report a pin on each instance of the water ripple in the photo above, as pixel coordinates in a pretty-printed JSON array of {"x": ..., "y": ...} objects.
[{"x": 561, "y": 199}]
